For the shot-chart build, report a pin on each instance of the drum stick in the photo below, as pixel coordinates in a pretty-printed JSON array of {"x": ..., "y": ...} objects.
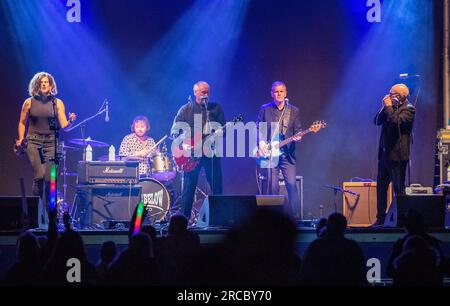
[{"x": 158, "y": 143}]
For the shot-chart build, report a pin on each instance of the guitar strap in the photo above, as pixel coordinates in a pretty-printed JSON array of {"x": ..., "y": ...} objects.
[
  {"x": 283, "y": 121},
  {"x": 286, "y": 119}
]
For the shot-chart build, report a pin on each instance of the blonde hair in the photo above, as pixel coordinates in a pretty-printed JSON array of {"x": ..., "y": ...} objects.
[{"x": 35, "y": 83}]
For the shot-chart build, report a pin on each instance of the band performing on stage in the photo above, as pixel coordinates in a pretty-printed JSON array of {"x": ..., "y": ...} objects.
[
  {"x": 196, "y": 123},
  {"x": 135, "y": 191},
  {"x": 225, "y": 148}
]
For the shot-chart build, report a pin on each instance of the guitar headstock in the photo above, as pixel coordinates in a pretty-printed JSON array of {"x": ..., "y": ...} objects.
[{"x": 317, "y": 125}]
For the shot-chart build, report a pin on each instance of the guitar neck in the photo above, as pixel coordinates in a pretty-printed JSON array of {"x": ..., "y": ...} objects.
[
  {"x": 223, "y": 127},
  {"x": 291, "y": 139}
]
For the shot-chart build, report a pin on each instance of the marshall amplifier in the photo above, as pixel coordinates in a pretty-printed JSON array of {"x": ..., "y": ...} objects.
[
  {"x": 109, "y": 172},
  {"x": 110, "y": 205}
]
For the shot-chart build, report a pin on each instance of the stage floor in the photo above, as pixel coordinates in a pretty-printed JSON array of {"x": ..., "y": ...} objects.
[{"x": 215, "y": 235}]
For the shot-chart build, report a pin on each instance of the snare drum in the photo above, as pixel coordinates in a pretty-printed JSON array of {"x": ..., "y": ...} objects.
[
  {"x": 163, "y": 168},
  {"x": 155, "y": 198}
]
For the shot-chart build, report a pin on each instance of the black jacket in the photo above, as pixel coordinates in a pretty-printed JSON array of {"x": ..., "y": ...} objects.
[
  {"x": 290, "y": 125},
  {"x": 187, "y": 111},
  {"x": 395, "y": 139}
]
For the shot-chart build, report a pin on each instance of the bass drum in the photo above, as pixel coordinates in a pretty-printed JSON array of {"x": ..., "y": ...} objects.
[{"x": 155, "y": 198}]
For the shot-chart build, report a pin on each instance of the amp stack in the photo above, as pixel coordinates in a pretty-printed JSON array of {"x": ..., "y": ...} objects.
[
  {"x": 442, "y": 165},
  {"x": 107, "y": 193}
]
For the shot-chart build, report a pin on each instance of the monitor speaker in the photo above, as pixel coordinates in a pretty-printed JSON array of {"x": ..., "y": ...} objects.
[
  {"x": 230, "y": 211},
  {"x": 298, "y": 207},
  {"x": 431, "y": 207},
  {"x": 11, "y": 213}
]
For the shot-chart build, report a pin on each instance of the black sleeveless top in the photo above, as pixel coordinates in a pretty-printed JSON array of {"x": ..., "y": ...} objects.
[{"x": 40, "y": 112}]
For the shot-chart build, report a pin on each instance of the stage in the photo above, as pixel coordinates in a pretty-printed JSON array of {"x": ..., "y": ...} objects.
[{"x": 375, "y": 243}]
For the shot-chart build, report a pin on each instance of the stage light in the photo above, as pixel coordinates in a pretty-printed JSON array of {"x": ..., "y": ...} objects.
[
  {"x": 53, "y": 183},
  {"x": 139, "y": 217}
]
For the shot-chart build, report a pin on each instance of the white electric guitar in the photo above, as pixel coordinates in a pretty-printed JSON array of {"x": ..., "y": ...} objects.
[{"x": 273, "y": 148}]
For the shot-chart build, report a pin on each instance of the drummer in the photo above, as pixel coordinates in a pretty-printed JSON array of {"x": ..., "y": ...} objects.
[{"x": 138, "y": 145}]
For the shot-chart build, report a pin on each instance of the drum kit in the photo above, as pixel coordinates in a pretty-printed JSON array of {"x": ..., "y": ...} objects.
[{"x": 155, "y": 183}]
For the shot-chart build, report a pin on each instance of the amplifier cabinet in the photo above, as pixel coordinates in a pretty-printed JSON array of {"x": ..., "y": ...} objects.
[
  {"x": 361, "y": 209},
  {"x": 98, "y": 203}
]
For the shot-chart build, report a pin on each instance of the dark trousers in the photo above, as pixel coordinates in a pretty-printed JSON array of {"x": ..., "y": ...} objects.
[
  {"x": 40, "y": 149},
  {"x": 389, "y": 171},
  {"x": 288, "y": 170},
  {"x": 213, "y": 172}
]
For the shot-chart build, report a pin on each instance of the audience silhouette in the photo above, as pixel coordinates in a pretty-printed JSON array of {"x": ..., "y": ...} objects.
[{"x": 259, "y": 252}]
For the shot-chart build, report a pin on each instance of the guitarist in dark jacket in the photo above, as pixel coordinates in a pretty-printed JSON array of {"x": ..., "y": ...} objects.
[
  {"x": 282, "y": 120},
  {"x": 209, "y": 112},
  {"x": 396, "y": 118}
]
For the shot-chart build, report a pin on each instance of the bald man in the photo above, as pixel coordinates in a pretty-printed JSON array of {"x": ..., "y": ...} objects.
[
  {"x": 208, "y": 111},
  {"x": 396, "y": 118}
]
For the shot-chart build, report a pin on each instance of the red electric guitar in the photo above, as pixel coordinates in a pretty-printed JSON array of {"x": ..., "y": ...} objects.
[{"x": 190, "y": 162}]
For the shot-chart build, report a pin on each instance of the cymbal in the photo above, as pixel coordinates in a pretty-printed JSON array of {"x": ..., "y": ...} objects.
[
  {"x": 106, "y": 157},
  {"x": 134, "y": 158},
  {"x": 88, "y": 141}
]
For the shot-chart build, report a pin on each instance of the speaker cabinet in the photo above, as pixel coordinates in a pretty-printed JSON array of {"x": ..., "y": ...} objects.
[
  {"x": 11, "y": 213},
  {"x": 98, "y": 203},
  {"x": 360, "y": 208},
  {"x": 431, "y": 207},
  {"x": 230, "y": 211},
  {"x": 298, "y": 207}
]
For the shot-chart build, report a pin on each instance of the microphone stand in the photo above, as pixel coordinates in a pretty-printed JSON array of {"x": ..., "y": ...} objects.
[
  {"x": 82, "y": 126},
  {"x": 335, "y": 191},
  {"x": 341, "y": 190},
  {"x": 54, "y": 126},
  {"x": 270, "y": 164},
  {"x": 213, "y": 144},
  {"x": 412, "y": 130}
]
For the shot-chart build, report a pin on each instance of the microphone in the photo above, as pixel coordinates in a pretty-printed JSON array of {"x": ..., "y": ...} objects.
[
  {"x": 286, "y": 100},
  {"x": 407, "y": 76},
  {"x": 107, "y": 111},
  {"x": 204, "y": 100}
]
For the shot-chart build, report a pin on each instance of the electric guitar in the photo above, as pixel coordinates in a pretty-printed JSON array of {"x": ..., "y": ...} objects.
[
  {"x": 189, "y": 163},
  {"x": 273, "y": 148}
]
